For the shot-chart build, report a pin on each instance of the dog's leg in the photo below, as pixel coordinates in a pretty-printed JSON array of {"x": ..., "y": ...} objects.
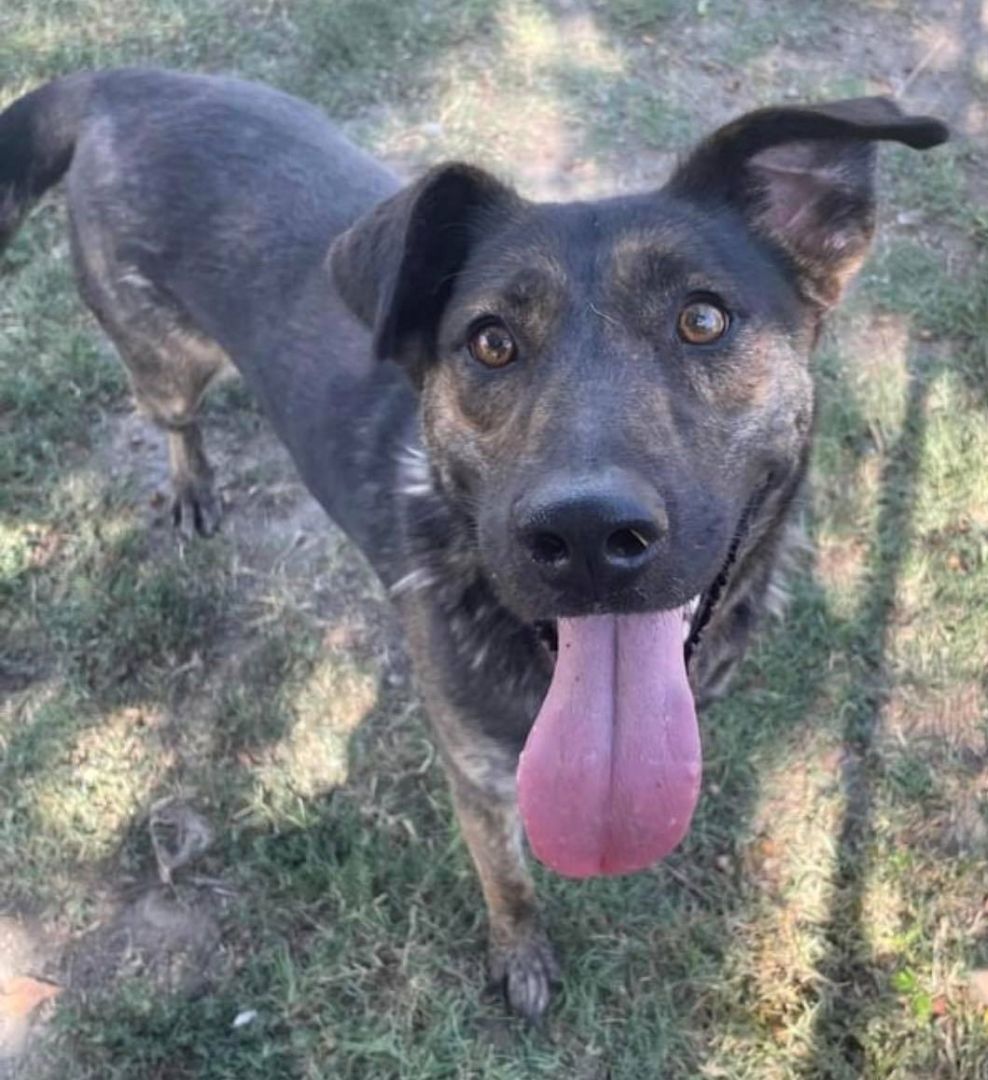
[
  {"x": 170, "y": 364},
  {"x": 195, "y": 505},
  {"x": 481, "y": 773},
  {"x": 521, "y": 958},
  {"x": 169, "y": 378}
]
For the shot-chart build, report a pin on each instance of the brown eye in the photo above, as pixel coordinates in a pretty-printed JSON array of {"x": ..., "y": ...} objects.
[
  {"x": 492, "y": 345},
  {"x": 701, "y": 322}
]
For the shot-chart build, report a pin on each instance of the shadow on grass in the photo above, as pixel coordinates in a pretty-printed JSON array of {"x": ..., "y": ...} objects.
[{"x": 849, "y": 1002}]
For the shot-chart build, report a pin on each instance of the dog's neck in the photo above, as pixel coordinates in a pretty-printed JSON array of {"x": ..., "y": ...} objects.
[{"x": 442, "y": 568}]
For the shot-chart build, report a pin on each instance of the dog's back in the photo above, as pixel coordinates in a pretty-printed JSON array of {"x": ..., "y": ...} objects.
[
  {"x": 202, "y": 209},
  {"x": 273, "y": 182}
]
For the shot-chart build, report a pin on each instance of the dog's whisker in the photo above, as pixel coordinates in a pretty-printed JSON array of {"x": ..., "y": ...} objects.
[
  {"x": 414, "y": 472},
  {"x": 414, "y": 581}
]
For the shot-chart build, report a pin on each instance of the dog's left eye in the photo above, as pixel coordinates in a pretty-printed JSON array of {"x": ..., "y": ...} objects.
[
  {"x": 702, "y": 322},
  {"x": 492, "y": 345}
]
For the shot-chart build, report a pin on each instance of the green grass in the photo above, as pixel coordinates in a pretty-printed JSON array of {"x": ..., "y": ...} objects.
[{"x": 825, "y": 912}]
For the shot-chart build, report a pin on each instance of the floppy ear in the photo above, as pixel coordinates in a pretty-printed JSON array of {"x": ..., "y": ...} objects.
[
  {"x": 803, "y": 178},
  {"x": 396, "y": 266}
]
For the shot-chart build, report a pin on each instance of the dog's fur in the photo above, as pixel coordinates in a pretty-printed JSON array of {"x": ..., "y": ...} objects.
[{"x": 214, "y": 220}]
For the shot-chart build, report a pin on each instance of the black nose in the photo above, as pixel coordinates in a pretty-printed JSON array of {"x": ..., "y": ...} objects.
[{"x": 592, "y": 533}]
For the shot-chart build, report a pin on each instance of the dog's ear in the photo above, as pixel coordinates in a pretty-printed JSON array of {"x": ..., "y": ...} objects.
[
  {"x": 396, "y": 266},
  {"x": 803, "y": 178}
]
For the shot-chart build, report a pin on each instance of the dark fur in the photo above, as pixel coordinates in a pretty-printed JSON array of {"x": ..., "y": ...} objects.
[{"x": 215, "y": 219}]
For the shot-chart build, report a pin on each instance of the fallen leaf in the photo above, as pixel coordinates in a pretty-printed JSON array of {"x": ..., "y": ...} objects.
[{"x": 21, "y": 995}]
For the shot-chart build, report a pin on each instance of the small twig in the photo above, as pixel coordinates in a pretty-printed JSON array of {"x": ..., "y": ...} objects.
[
  {"x": 217, "y": 885},
  {"x": 687, "y": 884},
  {"x": 924, "y": 62}
]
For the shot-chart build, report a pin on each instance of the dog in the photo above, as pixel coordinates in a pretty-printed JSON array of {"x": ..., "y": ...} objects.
[{"x": 569, "y": 437}]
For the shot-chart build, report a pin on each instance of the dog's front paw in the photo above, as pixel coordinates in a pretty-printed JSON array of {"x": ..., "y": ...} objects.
[
  {"x": 196, "y": 510},
  {"x": 526, "y": 970}
]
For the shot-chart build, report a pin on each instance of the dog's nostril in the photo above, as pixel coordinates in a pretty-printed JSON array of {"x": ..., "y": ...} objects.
[
  {"x": 549, "y": 549},
  {"x": 628, "y": 543}
]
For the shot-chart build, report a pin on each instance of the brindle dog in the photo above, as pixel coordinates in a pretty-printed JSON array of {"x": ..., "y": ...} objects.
[{"x": 569, "y": 437}]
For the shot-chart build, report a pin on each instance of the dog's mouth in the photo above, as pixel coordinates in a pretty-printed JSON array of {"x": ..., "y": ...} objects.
[
  {"x": 547, "y": 630},
  {"x": 610, "y": 774}
]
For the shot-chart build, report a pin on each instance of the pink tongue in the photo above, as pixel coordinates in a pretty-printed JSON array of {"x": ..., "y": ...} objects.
[{"x": 610, "y": 774}]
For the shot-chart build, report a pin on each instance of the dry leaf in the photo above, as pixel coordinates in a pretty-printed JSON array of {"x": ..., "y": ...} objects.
[{"x": 21, "y": 995}]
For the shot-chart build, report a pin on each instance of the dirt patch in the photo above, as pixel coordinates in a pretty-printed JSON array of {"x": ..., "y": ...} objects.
[
  {"x": 266, "y": 509},
  {"x": 168, "y": 935}
]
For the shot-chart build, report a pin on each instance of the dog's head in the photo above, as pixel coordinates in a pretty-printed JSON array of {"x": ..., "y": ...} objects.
[
  {"x": 611, "y": 390},
  {"x": 608, "y": 385}
]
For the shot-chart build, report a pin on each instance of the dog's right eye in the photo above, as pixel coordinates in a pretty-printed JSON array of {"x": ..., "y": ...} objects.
[
  {"x": 492, "y": 345},
  {"x": 702, "y": 322}
]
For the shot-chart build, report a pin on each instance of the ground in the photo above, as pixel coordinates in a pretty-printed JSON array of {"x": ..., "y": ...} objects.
[{"x": 827, "y": 916}]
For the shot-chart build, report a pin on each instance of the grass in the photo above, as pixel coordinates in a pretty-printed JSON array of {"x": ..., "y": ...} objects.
[{"x": 825, "y": 913}]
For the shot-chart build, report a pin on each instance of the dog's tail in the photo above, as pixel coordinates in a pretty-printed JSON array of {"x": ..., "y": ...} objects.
[{"x": 37, "y": 139}]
